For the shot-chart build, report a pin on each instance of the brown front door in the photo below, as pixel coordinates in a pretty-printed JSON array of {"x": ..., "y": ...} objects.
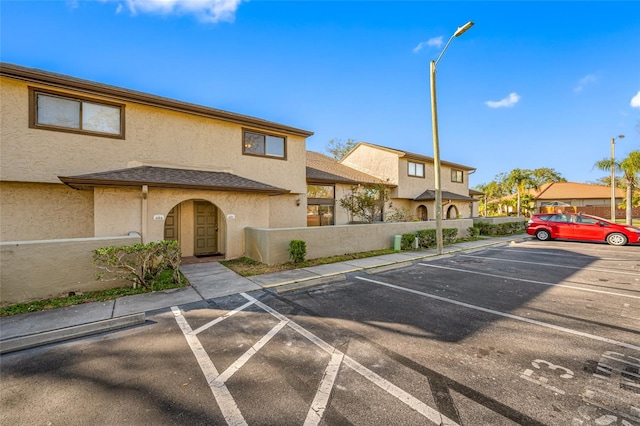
[
  {"x": 172, "y": 224},
  {"x": 206, "y": 229}
]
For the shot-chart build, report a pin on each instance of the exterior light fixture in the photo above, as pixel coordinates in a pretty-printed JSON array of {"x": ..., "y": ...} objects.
[
  {"x": 436, "y": 145},
  {"x": 613, "y": 177}
]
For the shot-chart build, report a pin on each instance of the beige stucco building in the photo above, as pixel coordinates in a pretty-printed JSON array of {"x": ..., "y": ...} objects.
[
  {"x": 83, "y": 159},
  {"x": 86, "y": 165},
  {"x": 412, "y": 176}
]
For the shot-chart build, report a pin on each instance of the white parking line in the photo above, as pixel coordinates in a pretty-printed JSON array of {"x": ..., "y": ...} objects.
[
  {"x": 222, "y": 378},
  {"x": 231, "y": 412},
  {"x": 223, "y": 397},
  {"x": 554, "y": 253},
  {"x": 319, "y": 404},
  {"x": 224, "y": 317},
  {"x": 555, "y": 265},
  {"x": 506, "y": 315},
  {"x": 414, "y": 403},
  {"x": 530, "y": 281}
]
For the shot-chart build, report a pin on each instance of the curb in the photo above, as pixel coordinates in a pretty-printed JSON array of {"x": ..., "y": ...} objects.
[
  {"x": 313, "y": 282},
  {"x": 31, "y": 341}
]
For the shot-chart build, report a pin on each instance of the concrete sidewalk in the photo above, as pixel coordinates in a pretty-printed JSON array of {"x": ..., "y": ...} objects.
[{"x": 208, "y": 281}]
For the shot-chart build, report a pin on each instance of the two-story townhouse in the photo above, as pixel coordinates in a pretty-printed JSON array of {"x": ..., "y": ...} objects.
[
  {"x": 83, "y": 159},
  {"x": 413, "y": 177},
  {"x": 329, "y": 181}
]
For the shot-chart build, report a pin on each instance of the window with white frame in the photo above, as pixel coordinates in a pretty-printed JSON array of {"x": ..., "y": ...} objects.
[
  {"x": 416, "y": 169},
  {"x": 67, "y": 113},
  {"x": 262, "y": 144}
]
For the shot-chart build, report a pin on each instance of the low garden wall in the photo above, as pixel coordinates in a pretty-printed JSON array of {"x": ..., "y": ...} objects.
[
  {"x": 271, "y": 246},
  {"x": 43, "y": 269}
]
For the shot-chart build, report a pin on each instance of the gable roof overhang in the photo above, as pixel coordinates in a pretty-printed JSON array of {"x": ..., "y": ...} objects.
[
  {"x": 323, "y": 169},
  {"x": 162, "y": 177},
  {"x": 412, "y": 156},
  {"x": 430, "y": 195},
  {"x": 66, "y": 82}
]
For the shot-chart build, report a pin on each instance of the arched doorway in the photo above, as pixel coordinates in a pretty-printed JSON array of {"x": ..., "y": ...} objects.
[
  {"x": 196, "y": 225},
  {"x": 422, "y": 213},
  {"x": 452, "y": 212}
]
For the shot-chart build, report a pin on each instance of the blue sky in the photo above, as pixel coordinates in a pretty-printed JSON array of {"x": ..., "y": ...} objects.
[{"x": 531, "y": 84}]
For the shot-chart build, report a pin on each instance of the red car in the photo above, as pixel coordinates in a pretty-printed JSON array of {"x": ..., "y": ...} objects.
[{"x": 583, "y": 227}]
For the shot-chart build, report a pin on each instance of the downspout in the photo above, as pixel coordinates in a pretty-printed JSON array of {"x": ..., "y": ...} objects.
[{"x": 145, "y": 209}]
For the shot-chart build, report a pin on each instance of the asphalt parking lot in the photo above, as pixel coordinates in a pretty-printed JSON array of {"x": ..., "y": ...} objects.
[{"x": 532, "y": 333}]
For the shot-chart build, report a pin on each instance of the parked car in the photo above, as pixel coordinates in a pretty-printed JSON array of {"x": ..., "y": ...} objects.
[{"x": 582, "y": 227}]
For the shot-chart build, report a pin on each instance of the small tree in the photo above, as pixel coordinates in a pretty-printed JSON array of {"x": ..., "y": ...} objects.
[
  {"x": 365, "y": 202},
  {"x": 339, "y": 148}
]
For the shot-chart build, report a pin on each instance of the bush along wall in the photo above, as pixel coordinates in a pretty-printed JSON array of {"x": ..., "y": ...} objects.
[
  {"x": 508, "y": 228},
  {"x": 142, "y": 264},
  {"x": 427, "y": 238}
]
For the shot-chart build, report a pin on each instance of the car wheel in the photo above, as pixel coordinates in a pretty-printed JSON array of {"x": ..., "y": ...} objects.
[
  {"x": 543, "y": 235},
  {"x": 617, "y": 239}
]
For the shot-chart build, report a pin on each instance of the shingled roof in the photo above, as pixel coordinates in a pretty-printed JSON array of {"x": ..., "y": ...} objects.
[
  {"x": 412, "y": 156},
  {"x": 430, "y": 195},
  {"x": 574, "y": 191},
  {"x": 324, "y": 169},
  {"x": 162, "y": 177}
]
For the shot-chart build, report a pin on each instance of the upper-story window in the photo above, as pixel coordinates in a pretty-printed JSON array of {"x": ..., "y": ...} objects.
[
  {"x": 457, "y": 176},
  {"x": 416, "y": 169},
  {"x": 255, "y": 143},
  {"x": 66, "y": 113}
]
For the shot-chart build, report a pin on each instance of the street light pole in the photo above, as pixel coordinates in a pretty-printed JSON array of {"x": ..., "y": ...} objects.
[
  {"x": 613, "y": 178},
  {"x": 436, "y": 144}
]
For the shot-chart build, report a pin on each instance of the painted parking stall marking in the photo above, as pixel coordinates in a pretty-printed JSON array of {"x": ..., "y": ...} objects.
[
  {"x": 555, "y": 265},
  {"x": 221, "y": 394},
  {"x": 224, "y": 399},
  {"x": 530, "y": 281},
  {"x": 506, "y": 315},
  {"x": 613, "y": 372}
]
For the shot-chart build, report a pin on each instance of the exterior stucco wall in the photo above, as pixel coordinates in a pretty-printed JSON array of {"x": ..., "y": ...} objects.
[
  {"x": 44, "y": 269},
  {"x": 341, "y": 215},
  {"x": 284, "y": 211},
  {"x": 154, "y": 136},
  {"x": 32, "y": 211},
  {"x": 236, "y": 211},
  {"x": 117, "y": 211},
  {"x": 375, "y": 162},
  {"x": 271, "y": 245},
  {"x": 412, "y": 186}
]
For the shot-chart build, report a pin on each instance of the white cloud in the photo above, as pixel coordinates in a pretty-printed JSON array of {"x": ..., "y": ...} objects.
[
  {"x": 635, "y": 101},
  {"x": 584, "y": 81},
  {"x": 507, "y": 102},
  {"x": 210, "y": 11},
  {"x": 434, "y": 41}
]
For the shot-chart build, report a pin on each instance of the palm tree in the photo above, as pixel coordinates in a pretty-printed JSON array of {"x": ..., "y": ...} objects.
[
  {"x": 489, "y": 191},
  {"x": 630, "y": 167},
  {"x": 520, "y": 180}
]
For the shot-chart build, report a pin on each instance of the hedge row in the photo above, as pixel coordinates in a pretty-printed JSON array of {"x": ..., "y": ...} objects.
[{"x": 427, "y": 238}]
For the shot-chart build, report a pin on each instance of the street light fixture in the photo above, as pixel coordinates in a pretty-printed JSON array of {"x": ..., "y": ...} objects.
[
  {"x": 436, "y": 145},
  {"x": 613, "y": 178}
]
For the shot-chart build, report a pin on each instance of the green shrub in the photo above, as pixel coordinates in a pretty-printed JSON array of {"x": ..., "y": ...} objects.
[
  {"x": 297, "y": 251},
  {"x": 507, "y": 228},
  {"x": 426, "y": 238},
  {"x": 474, "y": 232},
  {"x": 142, "y": 264},
  {"x": 449, "y": 235},
  {"x": 407, "y": 241}
]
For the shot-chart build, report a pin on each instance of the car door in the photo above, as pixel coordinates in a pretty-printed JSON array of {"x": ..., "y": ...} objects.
[
  {"x": 561, "y": 226},
  {"x": 587, "y": 228}
]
